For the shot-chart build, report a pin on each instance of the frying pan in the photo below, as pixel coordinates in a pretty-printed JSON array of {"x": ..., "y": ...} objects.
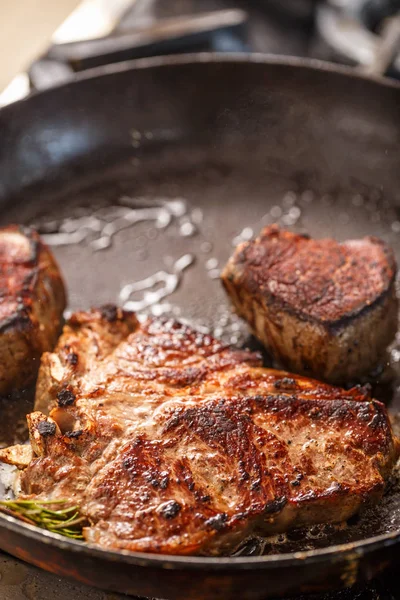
[{"x": 218, "y": 146}]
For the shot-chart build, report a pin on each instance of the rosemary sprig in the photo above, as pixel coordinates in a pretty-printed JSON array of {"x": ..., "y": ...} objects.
[{"x": 66, "y": 521}]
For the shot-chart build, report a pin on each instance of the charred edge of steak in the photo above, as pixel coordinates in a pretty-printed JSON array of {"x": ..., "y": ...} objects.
[
  {"x": 171, "y": 509},
  {"x": 109, "y": 312},
  {"x": 218, "y": 522},
  {"x": 65, "y": 397},
  {"x": 72, "y": 358},
  {"x": 286, "y": 383},
  {"x": 46, "y": 428},
  {"x": 276, "y": 506},
  {"x": 74, "y": 434},
  {"x": 335, "y": 327}
]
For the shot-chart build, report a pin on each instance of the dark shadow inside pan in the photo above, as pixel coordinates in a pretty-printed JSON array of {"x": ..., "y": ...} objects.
[{"x": 153, "y": 232}]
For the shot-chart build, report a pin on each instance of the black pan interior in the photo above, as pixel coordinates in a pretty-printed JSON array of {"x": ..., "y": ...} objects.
[{"x": 143, "y": 188}]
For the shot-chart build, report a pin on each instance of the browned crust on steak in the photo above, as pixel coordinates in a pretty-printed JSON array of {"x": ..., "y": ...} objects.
[
  {"x": 172, "y": 442},
  {"x": 322, "y": 308},
  {"x": 319, "y": 280},
  {"x": 87, "y": 337},
  {"x": 32, "y": 300}
]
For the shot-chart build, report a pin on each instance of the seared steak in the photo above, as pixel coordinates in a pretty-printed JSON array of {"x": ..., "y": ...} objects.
[
  {"x": 172, "y": 442},
  {"x": 31, "y": 305},
  {"x": 321, "y": 308}
]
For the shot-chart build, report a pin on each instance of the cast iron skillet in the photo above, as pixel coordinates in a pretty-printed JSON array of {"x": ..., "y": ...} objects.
[{"x": 221, "y": 144}]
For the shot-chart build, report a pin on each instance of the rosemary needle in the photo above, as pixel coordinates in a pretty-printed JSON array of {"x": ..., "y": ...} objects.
[{"x": 66, "y": 521}]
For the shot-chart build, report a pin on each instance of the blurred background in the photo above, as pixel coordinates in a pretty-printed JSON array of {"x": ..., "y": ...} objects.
[{"x": 49, "y": 42}]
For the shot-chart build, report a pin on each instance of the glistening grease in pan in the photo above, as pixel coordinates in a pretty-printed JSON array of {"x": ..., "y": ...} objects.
[{"x": 199, "y": 298}]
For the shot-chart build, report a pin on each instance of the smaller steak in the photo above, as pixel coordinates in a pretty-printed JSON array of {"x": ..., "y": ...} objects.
[
  {"x": 322, "y": 308},
  {"x": 32, "y": 301}
]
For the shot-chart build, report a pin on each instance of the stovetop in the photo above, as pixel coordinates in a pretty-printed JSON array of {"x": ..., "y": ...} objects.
[
  {"x": 362, "y": 33},
  {"x": 288, "y": 27}
]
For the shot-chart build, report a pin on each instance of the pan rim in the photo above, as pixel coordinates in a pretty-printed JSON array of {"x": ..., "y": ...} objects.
[
  {"x": 235, "y": 57},
  {"x": 337, "y": 551},
  {"x": 344, "y": 552},
  {"x": 311, "y": 64}
]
